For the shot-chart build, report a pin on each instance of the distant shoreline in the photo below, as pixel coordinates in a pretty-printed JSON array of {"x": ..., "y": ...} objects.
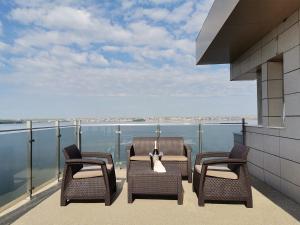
[{"x": 166, "y": 119}]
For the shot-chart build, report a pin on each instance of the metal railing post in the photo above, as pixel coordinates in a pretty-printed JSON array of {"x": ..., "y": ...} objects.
[
  {"x": 58, "y": 139},
  {"x": 118, "y": 146},
  {"x": 75, "y": 131},
  {"x": 200, "y": 137},
  {"x": 244, "y": 131},
  {"x": 78, "y": 133},
  {"x": 29, "y": 159},
  {"x": 158, "y": 131}
]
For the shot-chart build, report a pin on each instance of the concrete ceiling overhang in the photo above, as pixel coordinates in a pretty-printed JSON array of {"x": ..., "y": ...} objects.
[{"x": 233, "y": 26}]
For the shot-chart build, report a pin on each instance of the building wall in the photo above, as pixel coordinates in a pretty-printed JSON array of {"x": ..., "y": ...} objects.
[{"x": 274, "y": 155}]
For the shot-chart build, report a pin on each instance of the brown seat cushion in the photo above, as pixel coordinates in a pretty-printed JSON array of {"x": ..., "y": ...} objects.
[
  {"x": 171, "y": 145},
  {"x": 143, "y": 145},
  {"x": 140, "y": 158},
  {"x": 221, "y": 171},
  {"x": 91, "y": 171},
  {"x": 179, "y": 158}
]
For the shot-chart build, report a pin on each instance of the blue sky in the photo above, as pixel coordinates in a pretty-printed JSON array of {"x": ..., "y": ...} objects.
[{"x": 91, "y": 58}]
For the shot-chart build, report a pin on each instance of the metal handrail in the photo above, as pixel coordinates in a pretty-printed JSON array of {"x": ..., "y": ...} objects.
[
  {"x": 155, "y": 124},
  {"x": 34, "y": 128},
  {"x": 119, "y": 124}
]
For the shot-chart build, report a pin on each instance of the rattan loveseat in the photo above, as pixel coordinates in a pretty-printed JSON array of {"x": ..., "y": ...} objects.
[
  {"x": 223, "y": 179},
  {"x": 86, "y": 177},
  {"x": 175, "y": 152}
]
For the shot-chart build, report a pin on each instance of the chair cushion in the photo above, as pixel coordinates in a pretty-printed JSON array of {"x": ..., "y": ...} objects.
[
  {"x": 143, "y": 145},
  {"x": 221, "y": 171},
  {"x": 140, "y": 158},
  {"x": 179, "y": 158},
  {"x": 91, "y": 171},
  {"x": 171, "y": 145}
]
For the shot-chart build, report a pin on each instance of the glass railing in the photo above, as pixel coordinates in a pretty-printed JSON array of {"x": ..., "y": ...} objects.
[
  {"x": 32, "y": 157},
  {"x": 13, "y": 166}
]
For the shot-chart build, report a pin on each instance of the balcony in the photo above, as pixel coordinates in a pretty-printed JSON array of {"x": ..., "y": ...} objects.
[{"x": 32, "y": 162}]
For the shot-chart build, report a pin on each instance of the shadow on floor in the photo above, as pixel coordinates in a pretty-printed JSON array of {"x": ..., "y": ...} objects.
[
  {"x": 277, "y": 198},
  {"x": 120, "y": 184},
  {"x": 36, "y": 200}
]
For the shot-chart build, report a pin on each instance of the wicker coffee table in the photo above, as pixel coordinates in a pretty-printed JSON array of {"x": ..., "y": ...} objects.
[{"x": 142, "y": 180}]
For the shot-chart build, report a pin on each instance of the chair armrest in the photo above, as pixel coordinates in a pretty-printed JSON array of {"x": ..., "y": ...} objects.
[
  {"x": 129, "y": 150},
  {"x": 85, "y": 161},
  {"x": 105, "y": 155},
  {"x": 188, "y": 149},
  {"x": 224, "y": 161},
  {"x": 203, "y": 155},
  {"x": 206, "y": 163},
  {"x": 102, "y": 163}
]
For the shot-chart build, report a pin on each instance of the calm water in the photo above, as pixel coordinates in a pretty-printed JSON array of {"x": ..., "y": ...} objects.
[{"x": 14, "y": 145}]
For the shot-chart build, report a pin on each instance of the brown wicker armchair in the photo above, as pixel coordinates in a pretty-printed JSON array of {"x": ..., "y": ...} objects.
[
  {"x": 86, "y": 177},
  {"x": 223, "y": 179},
  {"x": 175, "y": 153}
]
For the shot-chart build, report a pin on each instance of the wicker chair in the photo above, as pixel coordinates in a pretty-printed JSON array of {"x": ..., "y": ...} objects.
[
  {"x": 87, "y": 178},
  {"x": 175, "y": 153},
  {"x": 223, "y": 179}
]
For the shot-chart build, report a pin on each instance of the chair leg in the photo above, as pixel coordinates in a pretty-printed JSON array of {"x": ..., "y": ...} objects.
[
  {"x": 107, "y": 201},
  {"x": 200, "y": 201},
  {"x": 249, "y": 204},
  {"x": 190, "y": 178},
  {"x": 63, "y": 201},
  {"x": 180, "y": 198}
]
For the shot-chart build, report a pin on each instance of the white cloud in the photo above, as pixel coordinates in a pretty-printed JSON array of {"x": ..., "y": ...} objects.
[
  {"x": 127, "y": 4},
  {"x": 195, "y": 21},
  {"x": 163, "y": 1},
  {"x": 67, "y": 48},
  {"x": 181, "y": 13},
  {"x": 3, "y": 46},
  {"x": 1, "y": 28},
  {"x": 59, "y": 17},
  {"x": 177, "y": 15},
  {"x": 152, "y": 13},
  {"x": 110, "y": 48},
  {"x": 143, "y": 33},
  {"x": 67, "y": 17},
  {"x": 97, "y": 59}
]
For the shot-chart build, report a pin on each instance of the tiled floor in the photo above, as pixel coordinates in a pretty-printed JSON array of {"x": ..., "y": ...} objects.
[{"x": 270, "y": 207}]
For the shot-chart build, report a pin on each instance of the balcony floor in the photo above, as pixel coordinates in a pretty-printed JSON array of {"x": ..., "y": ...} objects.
[{"x": 270, "y": 207}]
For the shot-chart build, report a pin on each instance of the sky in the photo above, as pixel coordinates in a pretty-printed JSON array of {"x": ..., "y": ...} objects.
[{"x": 127, "y": 58}]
